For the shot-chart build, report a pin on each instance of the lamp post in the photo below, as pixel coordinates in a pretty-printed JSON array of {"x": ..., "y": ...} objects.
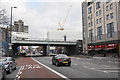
[{"x": 10, "y": 43}]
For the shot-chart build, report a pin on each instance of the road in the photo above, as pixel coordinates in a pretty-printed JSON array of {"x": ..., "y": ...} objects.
[
  {"x": 81, "y": 68},
  {"x": 84, "y": 68}
]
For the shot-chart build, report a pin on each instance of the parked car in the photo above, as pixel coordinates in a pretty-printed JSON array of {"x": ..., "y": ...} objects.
[
  {"x": 9, "y": 64},
  {"x": 33, "y": 52},
  {"x": 2, "y": 69},
  {"x": 61, "y": 59}
]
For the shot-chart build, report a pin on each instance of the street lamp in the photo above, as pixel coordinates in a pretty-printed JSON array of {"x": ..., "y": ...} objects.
[{"x": 10, "y": 45}]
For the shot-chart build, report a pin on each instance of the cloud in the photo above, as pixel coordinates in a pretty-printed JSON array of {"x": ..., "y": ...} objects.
[{"x": 43, "y": 16}]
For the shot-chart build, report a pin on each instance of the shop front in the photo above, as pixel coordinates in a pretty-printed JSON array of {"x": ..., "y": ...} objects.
[
  {"x": 99, "y": 50},
  {"x": 111, "y": 49},
  {"x": 91, "y": 49}
]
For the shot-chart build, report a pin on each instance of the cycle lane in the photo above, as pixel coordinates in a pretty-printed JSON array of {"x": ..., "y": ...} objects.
[{"x": 30, "y": 69}]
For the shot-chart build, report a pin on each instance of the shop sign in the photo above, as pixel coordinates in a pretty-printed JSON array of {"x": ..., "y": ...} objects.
[
  {"x": 111, "y": 45},
  {"x": 90, "y": 47},
  {"x": 100, "y": 46}
]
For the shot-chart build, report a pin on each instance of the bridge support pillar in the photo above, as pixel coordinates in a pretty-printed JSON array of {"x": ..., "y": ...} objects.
[
  {"x": 70, "y": 50},
  {"x": 44, "y": 51},
  {"x": 14, "y": 50},
  {"x": 48, "y": 49}
]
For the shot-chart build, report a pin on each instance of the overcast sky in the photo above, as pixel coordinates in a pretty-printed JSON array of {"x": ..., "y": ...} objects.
[{"x": 43, "y": 16}]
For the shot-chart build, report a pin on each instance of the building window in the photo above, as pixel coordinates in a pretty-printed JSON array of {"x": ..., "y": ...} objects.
[
  {"x": 107, "y": 8},
  {"x": 97, "y": 5},
  {"x": 111, "y": 15},
  {"x": 99, "y": 12},
  {"x": 88, "y": 17},
  {"x": 99, "y": 33},
  {"x": 111, "y": 6},
  {"x": 100, "y": 20},
  {"x": 97, "y": 21},
  {"x": 89, "y": 10},
  {"x": 91, "y": 16},
  {"x": 110, "y": 29},
  {"x": 107, "y": 17},
  {"x": 108, "y": 1},
  {"x": 91, "y": 35},
  {"x": 89, "y": 24}
]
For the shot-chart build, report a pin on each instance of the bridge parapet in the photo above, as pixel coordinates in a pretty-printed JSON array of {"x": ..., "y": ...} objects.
[{"x": 46, "y": 42}]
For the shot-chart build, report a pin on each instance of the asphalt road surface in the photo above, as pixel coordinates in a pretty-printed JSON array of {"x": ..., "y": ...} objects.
[
  {"x": 85, "y": 67},
  {"x": 97, "y": 68}
]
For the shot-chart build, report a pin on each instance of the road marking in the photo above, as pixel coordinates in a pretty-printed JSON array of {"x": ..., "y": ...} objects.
[
  {"x": 52, "y": 70},
  {"x": 20, "y": 72},
  {"x": 77, "y": 58},
  {"x": 76, "y": 64},
  {"x": 92, "y": 68},
  {"x": 18, "y": 77}
]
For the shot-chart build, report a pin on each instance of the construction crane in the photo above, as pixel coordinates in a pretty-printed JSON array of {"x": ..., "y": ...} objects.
[{"x": 61, "y": 27}]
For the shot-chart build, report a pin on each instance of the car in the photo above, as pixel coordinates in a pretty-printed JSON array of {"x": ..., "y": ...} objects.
[
  {"x": 9, "y": 64},
  {"x": 2, "y": 69},
  {"x": 61, "y": 59},
  {"x": 34, "y": 52}
]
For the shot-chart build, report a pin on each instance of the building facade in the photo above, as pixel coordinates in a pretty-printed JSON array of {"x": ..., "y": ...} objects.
[
  {"x": 19, "y": 27},
  {"x": 4, "y": 40},
  {"x": 101, "y": 27}
]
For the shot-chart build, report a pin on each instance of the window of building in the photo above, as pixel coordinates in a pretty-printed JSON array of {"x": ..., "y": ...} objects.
[
  {"x": 97, "y": 5},
  {"x": 111, "y": 15},
  {"x": 88, "y": 17},
  {"x": 99, "y": 33},
  {"x": 97, "y": 21},
  {"x": 89, "y": 24},
  {"x": 111, "y": 6},
  {"x": 107, "y": 17},
  {"x": 110, "y": 29},
  {"x": 108, "y": 1},
  {"x": 97, "y": 13},
  {"x": 91, "y": 16},
  {"x": 89, "y": 10},
  {"x": 107, "y": 8},
  {"x": 91, "y": 35},
  {"x": 100, "y": 20}
]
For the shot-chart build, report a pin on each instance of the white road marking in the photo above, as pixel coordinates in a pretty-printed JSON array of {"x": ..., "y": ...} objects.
[
  {"x": 52, "y": 70},
  {"x": 114, "y": 71},
  {"x": 76, "y": 64},
  {"x": 77, "y": 58},
  {"x": 20, "y": 72},
  {"x": 18, "y": 77},
  {"x": 92, "y": 68}
]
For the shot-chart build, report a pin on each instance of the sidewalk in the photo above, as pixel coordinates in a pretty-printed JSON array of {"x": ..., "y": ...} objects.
[{"x": 30, "y": 69}]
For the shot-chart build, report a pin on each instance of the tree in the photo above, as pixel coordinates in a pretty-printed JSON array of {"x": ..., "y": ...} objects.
[{"x": 4, "y": 20}]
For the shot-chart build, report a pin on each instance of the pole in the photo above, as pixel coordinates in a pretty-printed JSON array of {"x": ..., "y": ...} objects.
[{"x": 10, "y": 46}]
